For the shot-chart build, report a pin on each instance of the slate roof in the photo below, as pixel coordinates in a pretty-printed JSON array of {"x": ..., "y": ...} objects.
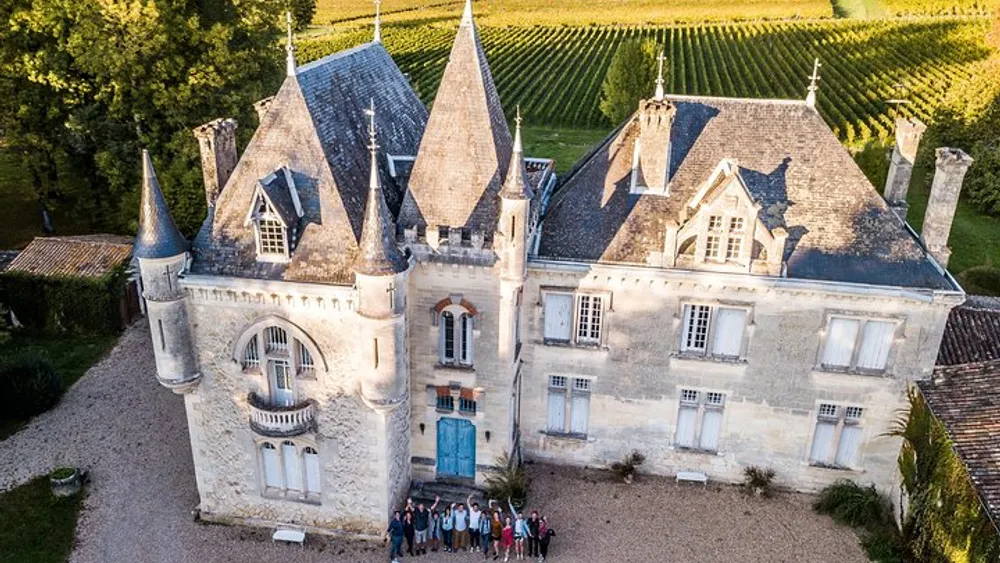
[
  {"x": 466, "y": 148},
  {"x": 966, "y": 399},
  {"x": 278, "y": 192},
  {"x": 839, "y": 228},
  {"x": 89, "y": 256},
  {"x": 158, "y": 236},
  {"x": 379, "y": 254},
  {"x": 972, "y": 333},
  {"x": 316, "y": 125}
]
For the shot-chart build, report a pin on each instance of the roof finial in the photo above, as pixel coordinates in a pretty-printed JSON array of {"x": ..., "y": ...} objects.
[
  {"x": 289, "y": 46},
  {"x": 517, "y": 131},
  {"x": 467, "y": 13},
  {"x": 370, "y": 112},
  {"x": 659, "y": 79},
  {"x": 813, "y": 85},
  {"x": 378, "y": 22}
]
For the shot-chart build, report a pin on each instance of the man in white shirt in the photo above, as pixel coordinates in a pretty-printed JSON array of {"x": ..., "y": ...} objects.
[{"x": 474, "y": 515}]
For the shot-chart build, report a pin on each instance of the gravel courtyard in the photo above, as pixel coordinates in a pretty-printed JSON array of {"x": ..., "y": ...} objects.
[{"x": 132, "y": 434}]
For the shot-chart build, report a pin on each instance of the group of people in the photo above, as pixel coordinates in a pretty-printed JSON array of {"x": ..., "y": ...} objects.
[{"x": 474, "y": 530}]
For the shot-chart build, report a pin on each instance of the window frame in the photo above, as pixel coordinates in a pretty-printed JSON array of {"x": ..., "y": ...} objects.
[
  {"x": 269, "y": 216},
  {"x": 566, "y": 388},
  {"x": 289, "y": 352},
  {"x": 577, "y": 298},
  {"x": 840, "y": 421},
  {"x": 724, "y": 237},
  {"x": 698, "y": 400},
  {"x": 462, "y": 335},
  {"x": 708, "y": 352},
  {"x": 282, "y": 490},
  {"x": 863, "y": 320}
]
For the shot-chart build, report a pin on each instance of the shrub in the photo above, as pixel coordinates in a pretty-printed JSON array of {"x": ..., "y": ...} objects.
[
  {"x": 626, "y": 468},
  {"x": 758, "y": 480},
  {"x": 631, "y": 76},
  {"x": 884, "y": 546},
  {"x": 983, "y": 182},
  {"x": 981, "y": 280},
  {"x": 849, "y": 503},
  {"x": 62, "y": 473},
  {"x": 508, "y": 480},
  {"x": 29, "y": 385}
]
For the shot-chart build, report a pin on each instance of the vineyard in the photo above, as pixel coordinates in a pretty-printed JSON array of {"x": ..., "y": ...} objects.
[{"x": 555, "y": 73}]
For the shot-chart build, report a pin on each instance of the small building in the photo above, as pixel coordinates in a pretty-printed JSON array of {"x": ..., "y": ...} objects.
[{"x": 49, "y": 260}]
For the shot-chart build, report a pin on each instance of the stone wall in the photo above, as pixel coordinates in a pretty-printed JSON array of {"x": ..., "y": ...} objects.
[{"x": 772, "y": 395}]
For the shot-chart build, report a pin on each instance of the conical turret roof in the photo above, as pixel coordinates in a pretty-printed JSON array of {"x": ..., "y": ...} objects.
[
  {"x": 158, "y": 236},
  {"x": 379, "y": 255},
  {"x": 466, "y": 147},
  {"x": 516, "y": 185}
]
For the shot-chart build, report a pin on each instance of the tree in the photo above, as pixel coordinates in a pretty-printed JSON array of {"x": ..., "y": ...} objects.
[
  {"x": 302, "y": 13},
  {"x": 983, "y": 185},
  {"x": 84, "y": 85},
  {"x": 631, "y": 77}
]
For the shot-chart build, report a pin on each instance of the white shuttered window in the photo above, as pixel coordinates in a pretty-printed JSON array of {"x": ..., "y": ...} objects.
[
  {"x": 729, "y": 327},
  {"x": 311, "y": 459},
  {"x": 696, "y": 323},
  {"x": 840, "y": 339},
  {"x": 272, "y": 465},
  {"x": 713, "y": 331},
  {"x": 855, "y": 344},
  {"x": 558, "y": 316},
  {"x": 580, "y": 413},
  {"x": 822, "y": 438},
  {"x": 574, "y": 395},
  {"x": 876, "y": 339},
  {"x": 686, "y": 420},
  {"x": 293, "y": 472},
  {"x": 837, "y": 438}
]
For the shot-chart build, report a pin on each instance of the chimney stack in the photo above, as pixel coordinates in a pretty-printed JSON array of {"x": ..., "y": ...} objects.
[
  {"x": 651, "y": 163},
  {"x": 908, "y": 133},
  {"x": 951, "y": 167},
  {"x": 217, "y": 140},
  {"x": 261, "y": 107}
]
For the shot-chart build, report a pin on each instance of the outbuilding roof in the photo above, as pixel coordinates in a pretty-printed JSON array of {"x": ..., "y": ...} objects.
[
  {"x": 87, "y": 256},
  {"x": 839, "y": 227},
  {"x": 972, "y": 333}
]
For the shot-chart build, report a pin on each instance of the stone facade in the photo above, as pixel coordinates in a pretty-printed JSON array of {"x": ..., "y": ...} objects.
[{"x": 717, "y": 286}]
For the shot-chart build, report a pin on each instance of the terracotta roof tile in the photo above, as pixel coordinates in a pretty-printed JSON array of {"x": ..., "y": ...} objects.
[
  {"x": 972, "y": 333},
  {"x": 84, "y": 256}
]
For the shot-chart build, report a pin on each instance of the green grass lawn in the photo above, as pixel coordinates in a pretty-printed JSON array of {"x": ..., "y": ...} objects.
[
  {"x": 37, "y": 526},
  {"x": 71, "y": 356},
  {"x": 564, "y": 145}
]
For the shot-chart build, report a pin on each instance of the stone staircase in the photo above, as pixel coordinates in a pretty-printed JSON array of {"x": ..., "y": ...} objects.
[{"x": 450, "y": 491}]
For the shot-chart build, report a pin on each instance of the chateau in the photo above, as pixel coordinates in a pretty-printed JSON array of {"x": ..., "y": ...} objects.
[{"x": 381, "y": 295}]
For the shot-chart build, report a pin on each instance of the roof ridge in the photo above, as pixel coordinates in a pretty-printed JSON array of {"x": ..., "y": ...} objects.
[
  {"x": 311, "y": 65},
  {"x": 778, "y": 101}
]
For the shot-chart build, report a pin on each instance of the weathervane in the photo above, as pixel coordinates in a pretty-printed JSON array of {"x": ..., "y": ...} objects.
[
  {"x": 813, "y": 86},
  {"x": 659, "y": 79},
  {"x": 289, "y": 46},
  {"x": 370, "y": 112},
  {"x": 378, "y": 22}
]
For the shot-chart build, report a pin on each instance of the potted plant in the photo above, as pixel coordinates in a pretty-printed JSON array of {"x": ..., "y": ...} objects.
[
  {"x": 758, "y": 480},
  {"x": 65, "y": 481},
  {"x": 626, "y": 468},
  {"x": 507, "y": 480}
]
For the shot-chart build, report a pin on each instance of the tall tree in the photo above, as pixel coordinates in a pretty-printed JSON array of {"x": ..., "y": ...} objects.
[
  {"x": 84, "y": 84},
  {"x": 631, "y": 76},
  {"x": 302, "y": 12}
]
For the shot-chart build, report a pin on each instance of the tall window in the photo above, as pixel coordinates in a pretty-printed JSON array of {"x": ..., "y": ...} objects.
[
  {"x": 724, "y": 238},
  {"x": 734, "y": 243},
  {"x": 272, "y": 239},
  {"x": 267, "y": 352},
  {"x": 456, "y": 337},
  {"x": 713, "y": 331},
  {"x": 699, "y": 420},
  {"x": 290, "y": 470},
  {"x": 574, "y": 318},
  {"x": 568, "y": 405},
  {"x": 306, "y": 364},
  {"x": 854, "y": 344},
  {"x": 837, "y": 438}
]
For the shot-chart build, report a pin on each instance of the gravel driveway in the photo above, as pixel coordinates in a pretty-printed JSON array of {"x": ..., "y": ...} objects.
[{"x": 132, "y": 434}]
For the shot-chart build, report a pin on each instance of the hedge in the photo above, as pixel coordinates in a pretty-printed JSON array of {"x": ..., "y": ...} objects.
[{"x": 73, "y": 305}]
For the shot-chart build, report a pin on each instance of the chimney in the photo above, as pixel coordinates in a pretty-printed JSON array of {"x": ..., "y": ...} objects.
[
  {"x": 950, "y": 170},
  {"x": 908, "y": 133},
  {"x": 217, "y": 140},
  {"x": 261, "y": 108},
  {"x": 651, "y": 163}
]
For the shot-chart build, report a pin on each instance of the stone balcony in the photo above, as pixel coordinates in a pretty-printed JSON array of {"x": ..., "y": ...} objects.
[{"x": 281, "y": 421}]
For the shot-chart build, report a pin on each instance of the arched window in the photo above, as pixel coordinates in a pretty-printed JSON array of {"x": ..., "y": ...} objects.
[
  {"x": 274, "y": 351},
  {"x": 456, "y": 336},
  {"x": 291, "y": 471},
  {"x": 272, "y": 466},
  {"x": 311, "y": 458}
]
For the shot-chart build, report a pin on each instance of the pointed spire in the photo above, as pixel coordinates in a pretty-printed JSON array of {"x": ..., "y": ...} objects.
[
  {"x": 290, "y": 66},
  {"x": 379, "y": 254},
  {"x": 659, "y": 79},
  {"x": 813, "y": 85},
  {"x": 378, "y": 22},
  {"x": 516, "y": 184},
  {"x": 467, "y": 14},
  {"x": 158, "y": 236}
]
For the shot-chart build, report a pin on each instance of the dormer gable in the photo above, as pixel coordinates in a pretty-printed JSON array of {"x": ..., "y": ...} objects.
[
  {"x": 274, "y": 213},
  {"x": 720, "y": 228}
]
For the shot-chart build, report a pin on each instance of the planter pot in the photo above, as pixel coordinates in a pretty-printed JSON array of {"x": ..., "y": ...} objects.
[
  {"x": 66, "y": 486},
  {"x": 628, "y": 478},
  {"x": 759, "y": 491}
]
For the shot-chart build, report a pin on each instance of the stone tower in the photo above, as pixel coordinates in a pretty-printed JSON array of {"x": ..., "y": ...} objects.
[
  {"x": 897, "y": 182},
  {"x": 162, "y": 254},
  {"x": 513, "y": 230},
  {"x": 217, "y": 141},
  {"x": 951, "y": 166}
]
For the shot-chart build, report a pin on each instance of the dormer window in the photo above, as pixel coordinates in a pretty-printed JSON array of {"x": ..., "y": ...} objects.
[
  {"x": 734, "y": 243},
  {"x": 275, "y": 215}
]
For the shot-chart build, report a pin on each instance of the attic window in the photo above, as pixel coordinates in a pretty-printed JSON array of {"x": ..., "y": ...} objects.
[{"x": 272, "y": 236}]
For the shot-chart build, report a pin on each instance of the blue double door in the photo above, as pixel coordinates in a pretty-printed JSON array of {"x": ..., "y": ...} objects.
[{"x": 456, "y": 448}]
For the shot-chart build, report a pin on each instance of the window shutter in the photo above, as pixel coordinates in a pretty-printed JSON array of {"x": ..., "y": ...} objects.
[
  {"x": 466, "y": 339},
  {"x": 847, "y": 449},
  {"x": 557, "y": 411},
  {"x": 876, "y": 340},
  {"x": 272, "y": 468},
  {"x": 293, "y": 473},
  {"x": 711, "y": 426},
  {"x": 840, "y": 338},
  {"x": 580, "y": 413},
  {"x": 558, "y": 315},
  {"x": 821, "y": 442},
  {"x": 685, "y": 426},
  {"x": 312, "y": 471},
  {"x": 729, "y": 328},
  {"x": 447, "y": 337}
]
